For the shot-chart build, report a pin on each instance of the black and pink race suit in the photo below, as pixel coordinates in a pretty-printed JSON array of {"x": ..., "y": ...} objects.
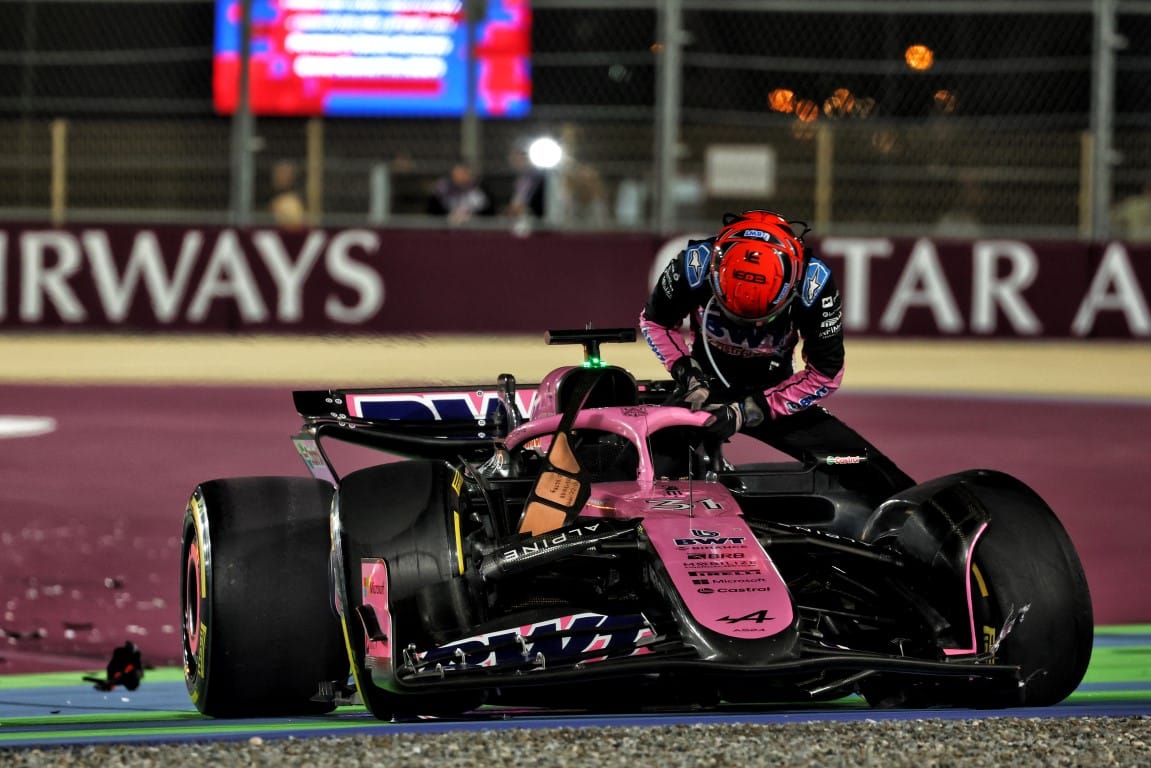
[{"x": 757, "y": 360}]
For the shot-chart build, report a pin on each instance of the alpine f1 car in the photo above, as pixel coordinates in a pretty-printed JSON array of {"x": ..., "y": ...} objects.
[{"x": 580, "y": 543}]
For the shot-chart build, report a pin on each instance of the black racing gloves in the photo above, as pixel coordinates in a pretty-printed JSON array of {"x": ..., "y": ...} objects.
[
  {"x": 693, "y": 386},
  {"x": 693, "y": 389},
  {"x": 732, "y": 417}
]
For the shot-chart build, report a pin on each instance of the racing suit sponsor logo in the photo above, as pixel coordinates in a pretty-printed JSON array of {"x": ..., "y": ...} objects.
[
  {"x": 721, "y": 590},
  {"x": 807, "y": 402},
  {"x": 813, "y": 281},
  {"x": 827, "y": 333},
  {"x": 747, "y": 340},
  {"x": 725, "y": 573},
  {"x": 827, "y": 302},
  {"x": 745, "y": 336},
  {"x": 844, "y": 459},
  {"x": 666, "y": 282},
  {"x": 696, "y": 259}
]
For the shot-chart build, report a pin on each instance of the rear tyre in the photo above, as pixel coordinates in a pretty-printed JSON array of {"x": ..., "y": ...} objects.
[
  {"x": 259, "y": 633},
  {"x": 407, "y": 514}
]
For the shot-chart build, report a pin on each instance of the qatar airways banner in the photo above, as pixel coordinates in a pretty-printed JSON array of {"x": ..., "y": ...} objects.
[{"x": 158, "y": 279}]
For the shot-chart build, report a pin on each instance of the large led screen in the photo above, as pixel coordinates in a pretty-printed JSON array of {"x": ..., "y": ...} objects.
[{"x": 364, "y": 58}]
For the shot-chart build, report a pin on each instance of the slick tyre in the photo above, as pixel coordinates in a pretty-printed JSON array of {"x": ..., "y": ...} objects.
[
  {"x": 1029, "y": 602},
  {"x": 259, "y": 632},
  {"x": 406, "y": 514},
  {"x": 1025, "y": 569}
]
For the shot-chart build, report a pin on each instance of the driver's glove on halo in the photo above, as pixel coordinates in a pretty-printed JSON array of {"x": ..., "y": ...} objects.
[
  {"x": 732, "y": 417},
  {"x": 693, "y": 386}
]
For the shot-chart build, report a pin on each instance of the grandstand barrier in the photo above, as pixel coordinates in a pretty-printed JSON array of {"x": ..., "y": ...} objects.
[{"x": 375, "y": 281}]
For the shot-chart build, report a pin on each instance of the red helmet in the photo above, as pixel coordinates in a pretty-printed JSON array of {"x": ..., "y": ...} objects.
[
  {"x": 761, "y": 225},
  {"x": 757, "y": 266}
]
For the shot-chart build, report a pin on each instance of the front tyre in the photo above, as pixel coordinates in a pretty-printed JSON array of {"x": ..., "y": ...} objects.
[
  {"x": 1025, "y": 568},
  {"x": 407, "y": 514},
  {"x": 259, "y": 633},
  {"x": 1029, "y": 602}
]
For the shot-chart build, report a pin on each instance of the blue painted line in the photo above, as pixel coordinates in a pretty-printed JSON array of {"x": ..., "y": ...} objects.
[
  {"x": 1116, "y": 641},
  {"x": 1114, "y": 686},
  {"x": 161, "y": 712}
]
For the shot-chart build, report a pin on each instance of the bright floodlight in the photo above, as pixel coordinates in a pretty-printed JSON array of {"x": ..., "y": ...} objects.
[{"x": 545, "y": 153}]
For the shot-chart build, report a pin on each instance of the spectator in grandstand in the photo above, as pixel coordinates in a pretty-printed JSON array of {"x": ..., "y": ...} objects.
[
  {"x": 1131, "y": 217},
  {"x": 751, "y": 293},
  {"x": 528, "y": 188},
  {"x": 460, "y": 196},
  {"x": 585, "y": 200},
  {"x": 287, "y": 203}
]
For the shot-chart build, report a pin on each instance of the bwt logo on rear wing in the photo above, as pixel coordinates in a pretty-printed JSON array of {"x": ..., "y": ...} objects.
[{"x": 457, "y": 405}]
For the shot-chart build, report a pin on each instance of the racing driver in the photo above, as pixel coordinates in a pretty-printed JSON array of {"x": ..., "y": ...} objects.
[{"x": 752, "y": 292}]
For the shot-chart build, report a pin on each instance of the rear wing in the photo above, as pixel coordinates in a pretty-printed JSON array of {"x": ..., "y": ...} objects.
[
  {"x": 440, "y": 409},
  {"x": 448, "y": 422}
]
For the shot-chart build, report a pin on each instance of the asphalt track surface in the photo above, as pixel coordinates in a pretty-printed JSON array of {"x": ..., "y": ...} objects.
[{"x": 101, "y": 440}]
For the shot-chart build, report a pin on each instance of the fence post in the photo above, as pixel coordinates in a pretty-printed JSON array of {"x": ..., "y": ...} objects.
[
  {"x": 1086, "y": 184},
  {"x": 315, "y": 162},
  {"x": 824, "y": 159},
  {"x": 470, "y": 152},
  {"x": 380, "y": 194},
  {"x": 669, "y": 83},
  {"x": 1102, "y": 116},
  {"x": 243, "y": 127},
  {"x": 59, "y": 191}
]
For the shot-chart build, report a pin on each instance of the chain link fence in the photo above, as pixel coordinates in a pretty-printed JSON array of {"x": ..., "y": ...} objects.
[{"x": 945, "y": 117}]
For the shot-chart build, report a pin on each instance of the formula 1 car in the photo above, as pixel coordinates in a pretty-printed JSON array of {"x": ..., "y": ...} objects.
[{"x": 580, "y": 543}]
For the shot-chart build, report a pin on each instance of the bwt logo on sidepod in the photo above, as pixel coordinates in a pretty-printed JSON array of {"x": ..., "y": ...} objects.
[{"x": 475, "y": 405}]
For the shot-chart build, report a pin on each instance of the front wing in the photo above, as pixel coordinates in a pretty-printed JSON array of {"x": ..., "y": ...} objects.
[{"x": 588, "y": 646}]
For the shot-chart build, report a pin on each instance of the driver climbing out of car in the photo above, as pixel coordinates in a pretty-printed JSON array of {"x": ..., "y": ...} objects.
[{"x": 752, "y": 293}]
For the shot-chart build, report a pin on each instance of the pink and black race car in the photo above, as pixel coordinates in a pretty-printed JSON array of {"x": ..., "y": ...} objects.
[{"x": 579, "y": 543}]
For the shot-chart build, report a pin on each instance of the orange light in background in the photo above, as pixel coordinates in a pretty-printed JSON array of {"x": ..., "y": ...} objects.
[
  {"x": 781, "y": 100},
  {"x": 945, "y": 100},
  {"x": 806, "y": 110},
  {"x": 841, "y": 102},
  {"x": 919, "y": 57}
]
